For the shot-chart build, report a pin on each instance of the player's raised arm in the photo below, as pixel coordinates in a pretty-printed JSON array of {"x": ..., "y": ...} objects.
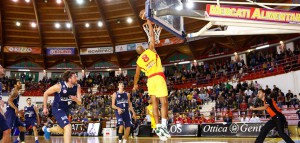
[
  {"x": 136, "y": 77},
  {"x": 152, "y": 37},
  {"x": 51, "y": 90}
]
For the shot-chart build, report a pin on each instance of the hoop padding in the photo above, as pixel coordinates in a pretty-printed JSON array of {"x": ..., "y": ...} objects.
[{"x": 156, "y": 31}]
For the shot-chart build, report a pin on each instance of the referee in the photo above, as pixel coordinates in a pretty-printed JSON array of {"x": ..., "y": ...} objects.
[{"x": 278, "y": 120}]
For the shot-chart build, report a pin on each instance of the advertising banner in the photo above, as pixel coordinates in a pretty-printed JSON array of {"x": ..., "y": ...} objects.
[
  {"x": 96, "y": 51},
  {"x": 174, "y": 130},
  {"x": 22, "y": 50},
  {"x": 251, "y": 13},
  {"x": 130, "y": 47},
  {"x": 93, "y": 129},
  {"x": 234, "y": 129},
  {"x": 169, "y": 41},
  {"x": 60, "y": 51}
]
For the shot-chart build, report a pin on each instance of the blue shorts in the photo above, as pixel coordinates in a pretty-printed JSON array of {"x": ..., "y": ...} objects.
[
  {"x": 61, "y": 117},
  {"x": 12, "y": 120},
  {"x": 30, "y": 122},
  {"x": 3, "y": 123},
  {"x": 124, "y": 117}
]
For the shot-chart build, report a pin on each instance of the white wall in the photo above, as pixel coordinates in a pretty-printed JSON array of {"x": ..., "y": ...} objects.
[
  {"x": 7, "y": 73},
  {"x": 34, "y": 99},
  {"x": 285, "y": 82},
  {"x": 41, "y": 75}
]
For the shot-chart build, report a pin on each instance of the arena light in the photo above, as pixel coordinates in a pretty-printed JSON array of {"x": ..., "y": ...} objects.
[
  {"x": 18, "y": 23},
  {"x": 87, "y": 25},
  {"x": 68, "y": 25},
  {"x": 129, "y": 20},
  {"x": 100, "y": 23},
  {"x": 27, "y": 1},
  {"x": 15, "y": 0},
  {"x": 79, "y": 1},
  {"x": 185, "y": 62},
  {"x": 33, "y": 24},
  {"x": 24, "y": 70},
  {"x": 58, "y": 1},
  {"x": 57, "y": 25},
  {"x": 189, "y": 5},
  {"x": 262, "y": 47},
  {"x": 281, "y": 42}
]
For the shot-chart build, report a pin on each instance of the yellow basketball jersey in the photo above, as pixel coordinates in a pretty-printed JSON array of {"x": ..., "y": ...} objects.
[{"x": 149, "y": 62}]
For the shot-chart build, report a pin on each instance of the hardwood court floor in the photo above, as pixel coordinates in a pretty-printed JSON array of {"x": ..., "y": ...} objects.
[{"x": 59, "y": 139}]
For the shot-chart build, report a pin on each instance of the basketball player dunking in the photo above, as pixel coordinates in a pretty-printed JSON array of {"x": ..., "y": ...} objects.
[
  {"x": 4, "y": 129},
  {"x": 122, "y": 105},
  {"x": 65, "y": 92},
  {"x": 150, "y": 63}
]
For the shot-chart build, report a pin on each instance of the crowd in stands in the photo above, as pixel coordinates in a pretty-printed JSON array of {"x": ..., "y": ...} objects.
[{"x": 185, "y": 103}]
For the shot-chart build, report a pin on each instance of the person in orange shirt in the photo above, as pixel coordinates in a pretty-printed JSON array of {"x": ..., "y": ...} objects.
[
  {"x": 278, "y": 119},
  {"x": 149, "y": 62}
]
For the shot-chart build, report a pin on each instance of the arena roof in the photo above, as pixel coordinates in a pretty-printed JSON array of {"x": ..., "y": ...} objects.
[{"x": 97, "y": 23}]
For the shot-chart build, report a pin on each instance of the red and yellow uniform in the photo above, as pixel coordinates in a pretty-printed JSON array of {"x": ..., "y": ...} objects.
[
  {"x": 150, "y": 64},
  {"x": 150, "y": 111}
]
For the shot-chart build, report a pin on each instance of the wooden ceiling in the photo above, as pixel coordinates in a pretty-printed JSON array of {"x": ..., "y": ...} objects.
[{"x": 115, "y": 31}]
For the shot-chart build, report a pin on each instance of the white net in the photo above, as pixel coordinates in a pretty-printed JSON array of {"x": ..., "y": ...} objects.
[{"x": 156, "y": 30}]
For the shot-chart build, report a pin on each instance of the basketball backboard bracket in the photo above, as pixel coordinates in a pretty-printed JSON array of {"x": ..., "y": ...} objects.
[{"x": 162, "y": 11}]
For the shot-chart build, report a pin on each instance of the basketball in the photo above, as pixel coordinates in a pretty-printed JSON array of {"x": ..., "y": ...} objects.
[{"x": 143, "y": 14}]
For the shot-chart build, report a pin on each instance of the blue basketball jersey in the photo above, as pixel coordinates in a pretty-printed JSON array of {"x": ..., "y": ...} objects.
[
  {"x": 122, "y": 100},
  {"x": 29, "y": 111},
  {"x": 62, "y": 100},
  {"x": 16, "y": 103}
]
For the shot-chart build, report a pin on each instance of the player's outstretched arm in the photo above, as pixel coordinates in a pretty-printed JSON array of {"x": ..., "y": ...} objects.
[
  {"x": 152, "y": 38},
  {"x": 51, "y": 90},
  {"x": 136, "y": 78}
]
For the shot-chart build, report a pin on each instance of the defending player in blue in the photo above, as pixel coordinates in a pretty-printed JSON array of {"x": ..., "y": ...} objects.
[
  {"x": 12, "y": 112},
  {"x": 4, "y": 129},
  {"x": 122, "y": 105},
  {"x": 32, "y": 118},
  {"x": 65, "y": 92}
]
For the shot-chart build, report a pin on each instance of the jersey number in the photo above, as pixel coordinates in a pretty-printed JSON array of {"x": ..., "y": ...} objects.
[{"x": 145, "y": 58}]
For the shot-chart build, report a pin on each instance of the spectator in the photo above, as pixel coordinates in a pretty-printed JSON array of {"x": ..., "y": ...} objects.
[
  {"x": 244, "y": 118},
  {"x": 254, "y": 119},
  {"x": 243, "y": 107},
  {"x": 210, "y": 119},
  {"x": 227, "y": 119}
]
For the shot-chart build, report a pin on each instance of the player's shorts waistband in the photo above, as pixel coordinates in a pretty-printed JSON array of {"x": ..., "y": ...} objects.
[{"x": 158, "y": 73}]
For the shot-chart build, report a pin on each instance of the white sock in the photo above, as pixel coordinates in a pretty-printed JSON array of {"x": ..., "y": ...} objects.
[
  {"x": 158, "y": 125},
  {"x": 124, "y": 141},
  {"x": 164, "y": 122},
  {"x": 36, "y": 138},
  {"x": 18, "y": 138}
]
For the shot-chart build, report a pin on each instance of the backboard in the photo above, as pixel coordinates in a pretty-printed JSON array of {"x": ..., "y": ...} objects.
[{"x": 172, "y": 23}]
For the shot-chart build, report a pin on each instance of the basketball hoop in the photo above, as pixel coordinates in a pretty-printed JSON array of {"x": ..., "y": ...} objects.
[{"x": 156, "y": 31}]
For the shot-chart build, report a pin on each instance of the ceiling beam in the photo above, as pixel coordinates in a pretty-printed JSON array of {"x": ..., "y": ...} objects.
[
  {"x": 37, "y": 18},
  {"x": 192, "y": 49},
  {"x": 2, "y": 35},
  {"x": 99, "y": 4},
  {"x": 174, "y": 51},
  {"x": 74, "y": 31},
  {"x": 233, "y": 43},
  {"x": 137, "y": 16}
]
